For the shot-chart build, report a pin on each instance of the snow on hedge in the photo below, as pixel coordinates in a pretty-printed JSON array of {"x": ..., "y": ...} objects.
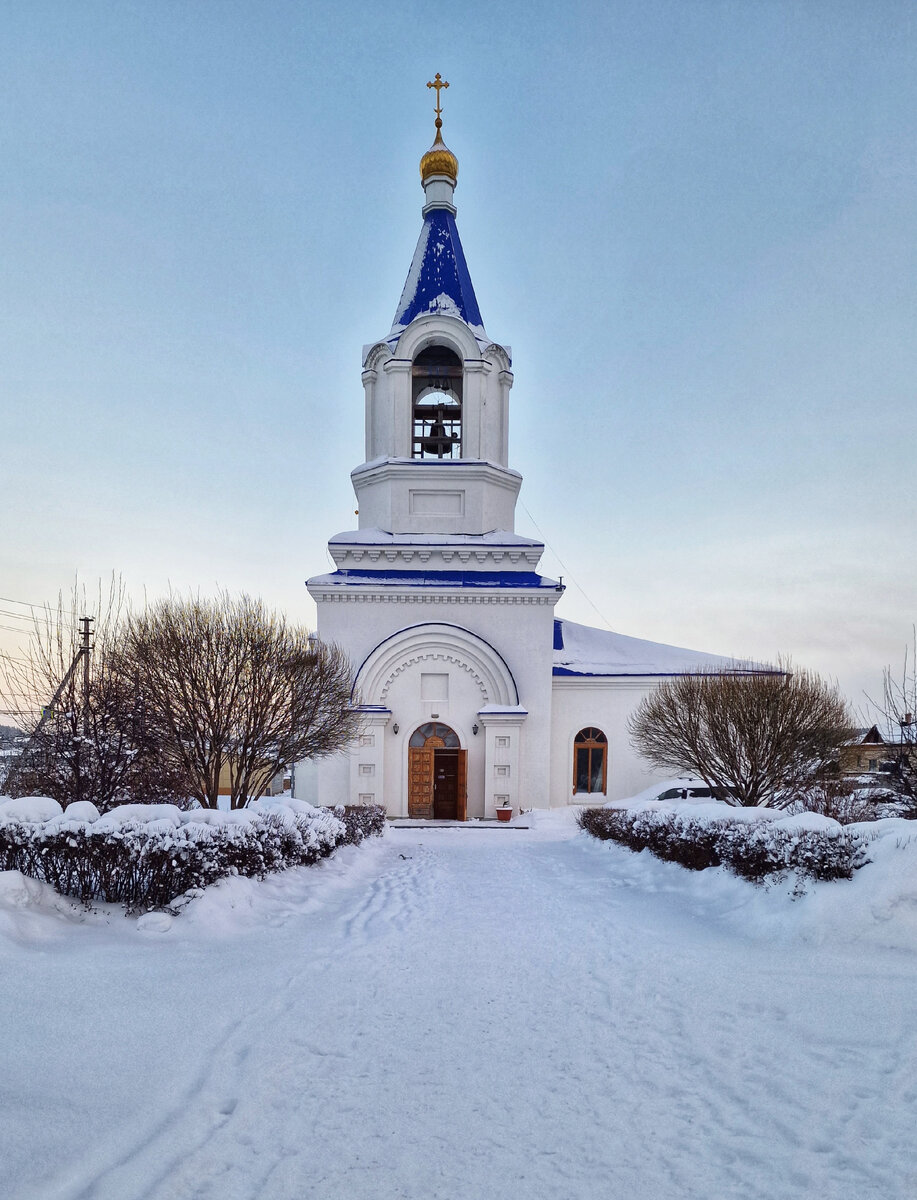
[
  {"x": 145, "y": 855},
  {"x": 755, "y": 843}
]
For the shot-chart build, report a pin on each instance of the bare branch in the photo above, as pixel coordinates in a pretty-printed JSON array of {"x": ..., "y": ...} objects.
[
  {"x": 231, "y": 684},
  {"x": 755, "y": 735}
]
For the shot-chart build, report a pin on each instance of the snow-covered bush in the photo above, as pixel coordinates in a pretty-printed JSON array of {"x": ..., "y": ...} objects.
[
  {"x": 361, "y": 821},
  {"x": 771, "y": 845},
  {"x": 146, "y": 855}
]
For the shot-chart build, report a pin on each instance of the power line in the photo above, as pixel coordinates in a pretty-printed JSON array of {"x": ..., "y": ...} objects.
[
  {"x": 24, "y": 603},
  {"x": 568, "y": 572},
  {"x": 32, "y": 618}
]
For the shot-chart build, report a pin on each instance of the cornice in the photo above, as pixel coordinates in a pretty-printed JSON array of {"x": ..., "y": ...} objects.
[
  {"x": 442, "y": 472},
  {"x": 488, "y": 557},
  {"x": 363, "y": 594},
  {"x": 565, "y": 683}
]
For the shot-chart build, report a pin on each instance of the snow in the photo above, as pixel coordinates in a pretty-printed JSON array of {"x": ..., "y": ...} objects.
[
  {"x": 128, "y": 814},
  {"x": 438, "y": 280},
  {"x": 81, "y": 810},
  {"x": 381, "y": 537},
  {"x": 465, "y": 1014},
  {"x": 28, "y": 808},
  {"x": 587, "y": 651}
]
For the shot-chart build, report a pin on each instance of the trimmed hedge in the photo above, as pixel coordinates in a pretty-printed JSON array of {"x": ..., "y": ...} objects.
[
  {"x": 754, "y": 850},
  {"x": 148, "y": 863},
  {"x": 361, "y": 821}
]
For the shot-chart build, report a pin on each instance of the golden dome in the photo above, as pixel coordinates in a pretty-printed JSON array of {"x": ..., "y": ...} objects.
[{"x": 439, "y": 159}]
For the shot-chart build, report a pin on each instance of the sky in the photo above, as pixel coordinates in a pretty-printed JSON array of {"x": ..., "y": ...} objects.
[{"x": 693, "y": 222}]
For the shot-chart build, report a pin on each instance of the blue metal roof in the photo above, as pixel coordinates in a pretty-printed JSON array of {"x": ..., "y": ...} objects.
[
  {"x": 449, "y": 579},
  {"x": 438, "y": 280}
]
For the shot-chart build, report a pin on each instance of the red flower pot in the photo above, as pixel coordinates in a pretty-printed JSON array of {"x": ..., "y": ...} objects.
[{"x": 504, "y": 814}]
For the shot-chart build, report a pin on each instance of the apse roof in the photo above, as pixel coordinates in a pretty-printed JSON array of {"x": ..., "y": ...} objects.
[{"x": 439, "y": 280}]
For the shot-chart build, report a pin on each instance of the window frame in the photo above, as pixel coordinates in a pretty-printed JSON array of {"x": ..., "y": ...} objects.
[{"x": 590, "y": 738}]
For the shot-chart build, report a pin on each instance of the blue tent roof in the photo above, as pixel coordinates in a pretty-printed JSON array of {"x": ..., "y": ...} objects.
[{"x": 438, "y": 280}]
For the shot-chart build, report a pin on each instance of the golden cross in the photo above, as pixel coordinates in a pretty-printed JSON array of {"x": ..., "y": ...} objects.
[{"x": 439, "y": 83}]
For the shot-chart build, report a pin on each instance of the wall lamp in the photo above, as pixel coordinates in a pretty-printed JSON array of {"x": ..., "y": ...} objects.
[
  {"x": 474, "y": 729},
  {"x": 395, "y": 727}
]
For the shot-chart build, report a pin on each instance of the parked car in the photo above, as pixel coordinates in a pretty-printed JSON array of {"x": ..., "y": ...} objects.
[{"x": 686, "y": 790}]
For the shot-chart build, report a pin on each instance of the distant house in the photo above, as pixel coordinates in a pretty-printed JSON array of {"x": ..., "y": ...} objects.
[
  {"x": 871, "y": 751},
  {"x": 278, "y": 784}
]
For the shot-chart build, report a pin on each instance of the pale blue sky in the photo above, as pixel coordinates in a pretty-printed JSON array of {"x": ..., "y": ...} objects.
[{"x": 693, "y": 222}]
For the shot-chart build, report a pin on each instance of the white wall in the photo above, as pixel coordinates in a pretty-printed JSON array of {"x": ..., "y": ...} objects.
[
  {"x": 522, "y": 633},
  {"x": 606, "y": 704}
]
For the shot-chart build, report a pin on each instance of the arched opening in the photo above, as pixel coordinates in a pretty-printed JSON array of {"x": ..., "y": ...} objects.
[
  {"x": 437, "y": 774},
  {"x": 590, "y": 762},
  {"x": 436, "y": 397}
]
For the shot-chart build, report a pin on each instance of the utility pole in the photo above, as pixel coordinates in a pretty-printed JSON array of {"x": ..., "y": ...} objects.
[{"x": 85, "y": 651}]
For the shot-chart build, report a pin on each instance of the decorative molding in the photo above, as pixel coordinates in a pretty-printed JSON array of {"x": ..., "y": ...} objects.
[
  {"x": 396, "y": 366},
  {"x": 346, "y": 555},
  {"x": 497, "y": 352},
  {"x": 439, "y": 642},
  {"x": 359, "y": 594},
  {"x": 437, "y": 328},
  {"x": 432, "y": 656},
  {"x": 379, "y": 351}
]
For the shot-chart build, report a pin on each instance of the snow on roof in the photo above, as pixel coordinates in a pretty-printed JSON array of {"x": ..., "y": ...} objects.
[
  {"x": 581, "y": 650},
  {"x": 381, "y": 537},
  {"x": 439, "y": 280}
]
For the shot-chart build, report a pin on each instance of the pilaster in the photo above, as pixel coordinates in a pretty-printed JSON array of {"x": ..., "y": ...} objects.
[
  {"x": 502, "y": 743},
  {"x": 398, "y": 371},
  {"x": 367, "y": 777}
]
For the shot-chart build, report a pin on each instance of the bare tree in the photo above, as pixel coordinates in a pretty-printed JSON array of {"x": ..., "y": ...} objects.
[
  {"x": 229, "y": 684},
  {"x": 86, "y": 733},
  {"x": 899, "y": 708},
  {"x": 756, "y": 736}
]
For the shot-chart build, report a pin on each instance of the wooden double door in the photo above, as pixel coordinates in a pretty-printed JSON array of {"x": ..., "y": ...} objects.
[{"x": 437, "y": 776}]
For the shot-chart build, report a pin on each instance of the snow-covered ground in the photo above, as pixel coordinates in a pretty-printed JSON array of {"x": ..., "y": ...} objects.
[{"x": 466, "y": 1013}]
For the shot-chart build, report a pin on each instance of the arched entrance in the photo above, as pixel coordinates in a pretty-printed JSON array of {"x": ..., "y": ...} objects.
[{"x": 437, "y": 774}]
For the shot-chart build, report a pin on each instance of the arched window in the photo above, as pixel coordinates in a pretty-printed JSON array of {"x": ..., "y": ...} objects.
[
  {"x": 436, "y": 395},
  {"x": 442, "y": 734},
  {"x": 590, "y": 761}
]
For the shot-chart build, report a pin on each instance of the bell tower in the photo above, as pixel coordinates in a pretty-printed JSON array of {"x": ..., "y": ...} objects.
[{"x": 437, "y": 389}]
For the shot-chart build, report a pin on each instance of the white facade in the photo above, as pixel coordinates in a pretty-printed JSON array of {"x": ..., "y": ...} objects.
[{"x": 437, "y": 600}]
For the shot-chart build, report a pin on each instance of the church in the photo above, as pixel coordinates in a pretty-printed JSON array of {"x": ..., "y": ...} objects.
[{"x": 475, "y": 694}]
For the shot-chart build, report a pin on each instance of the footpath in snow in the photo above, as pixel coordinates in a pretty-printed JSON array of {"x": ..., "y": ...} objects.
[{"x": 464, "y": 1014}]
